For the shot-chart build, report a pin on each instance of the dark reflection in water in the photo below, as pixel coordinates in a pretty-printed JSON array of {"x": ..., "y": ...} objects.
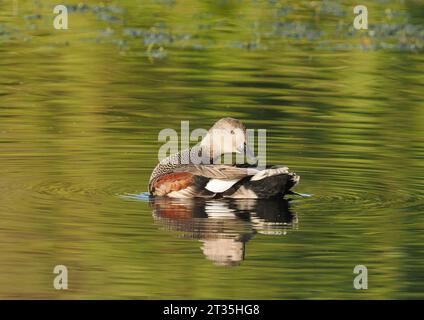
[{"x": 224, "y": 226}]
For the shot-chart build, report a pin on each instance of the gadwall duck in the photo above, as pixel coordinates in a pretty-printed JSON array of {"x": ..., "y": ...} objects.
[{"x": 182, "y": 175}]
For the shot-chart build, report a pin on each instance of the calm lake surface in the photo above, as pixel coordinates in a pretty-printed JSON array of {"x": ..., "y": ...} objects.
[{"x": 80, "y": 113}]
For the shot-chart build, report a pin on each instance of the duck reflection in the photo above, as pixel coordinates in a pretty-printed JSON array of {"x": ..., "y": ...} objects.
[{"x": 223, "y": 226}]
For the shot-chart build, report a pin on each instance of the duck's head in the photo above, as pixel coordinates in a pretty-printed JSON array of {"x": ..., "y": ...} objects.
[{"x": 227, "y": 135}]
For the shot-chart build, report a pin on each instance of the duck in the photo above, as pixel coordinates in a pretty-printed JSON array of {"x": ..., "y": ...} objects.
[{"x": 196, "y": 173}]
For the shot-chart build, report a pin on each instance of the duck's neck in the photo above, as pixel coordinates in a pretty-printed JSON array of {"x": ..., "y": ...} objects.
[{"x": 203, "y": 154}]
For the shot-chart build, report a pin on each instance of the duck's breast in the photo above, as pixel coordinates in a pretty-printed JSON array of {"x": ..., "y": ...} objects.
[
  {"x": 171, "y": 182},
  {"x": 180, "y": 185}
]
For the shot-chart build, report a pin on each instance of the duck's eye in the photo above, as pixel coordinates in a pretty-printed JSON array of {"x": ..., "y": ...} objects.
[{"x": 232, "y": 131}]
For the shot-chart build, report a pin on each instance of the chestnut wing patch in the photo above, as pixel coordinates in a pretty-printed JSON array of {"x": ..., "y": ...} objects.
[{"x": 171, "y": 182}]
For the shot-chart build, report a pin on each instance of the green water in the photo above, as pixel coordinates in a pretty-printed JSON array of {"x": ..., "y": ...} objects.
[{"x": 80, "y": 111}]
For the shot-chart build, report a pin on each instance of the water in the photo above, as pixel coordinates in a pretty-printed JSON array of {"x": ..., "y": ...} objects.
[{"x": 79, "y": 118}]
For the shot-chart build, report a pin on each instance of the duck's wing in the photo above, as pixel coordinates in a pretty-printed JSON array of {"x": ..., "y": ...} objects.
[
  {"x": 244, "y": 181},
  {"x": 218, "y": 171},
  {"x": 221, "y": 177}
]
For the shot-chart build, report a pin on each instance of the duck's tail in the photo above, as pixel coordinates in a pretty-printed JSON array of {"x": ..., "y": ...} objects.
[{"x": 269, "y": 183}]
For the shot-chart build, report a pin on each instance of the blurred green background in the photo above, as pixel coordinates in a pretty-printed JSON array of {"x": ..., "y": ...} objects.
[{"x": 80, "y": 111}]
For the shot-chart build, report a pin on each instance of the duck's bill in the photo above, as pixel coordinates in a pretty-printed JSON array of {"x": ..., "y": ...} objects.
[{"x": 244, "y": 148}]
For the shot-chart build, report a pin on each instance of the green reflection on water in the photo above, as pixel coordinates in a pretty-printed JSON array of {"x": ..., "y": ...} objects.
[{"x": 81, "y": 110}]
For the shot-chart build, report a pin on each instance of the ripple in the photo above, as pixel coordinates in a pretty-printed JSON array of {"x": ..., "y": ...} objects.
[
  {"x": 81, "y": 191},
  {"x": 369, "y": 197}
]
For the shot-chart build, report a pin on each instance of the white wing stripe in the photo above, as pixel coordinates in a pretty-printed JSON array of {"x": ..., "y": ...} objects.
[{"x": 218, "y": 186}]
